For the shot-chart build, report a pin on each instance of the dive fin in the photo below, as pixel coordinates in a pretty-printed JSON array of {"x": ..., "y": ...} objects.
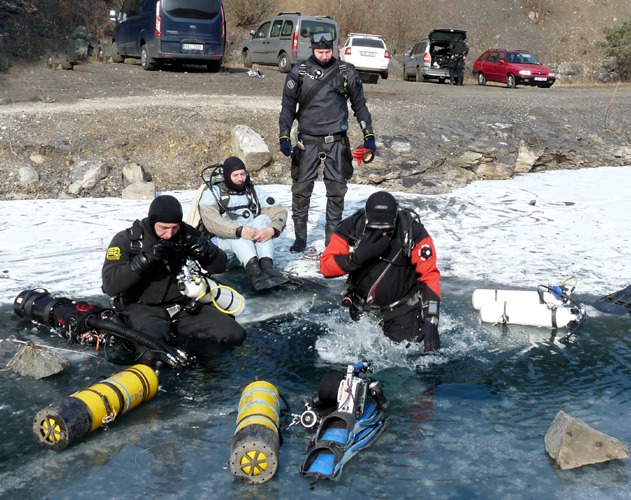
[
  {"x": 339, "y": 438},
  {"x": 618, "y": 303},
  {"x": 306, "y": 283},
  {"x": 268, "y": 282}
]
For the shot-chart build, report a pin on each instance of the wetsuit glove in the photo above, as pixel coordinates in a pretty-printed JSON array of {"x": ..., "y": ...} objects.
[
  {"x": 285, "y": 146},
  {"x": 145, "y": 261},
  {"x": 429, "y": 334},
  {"x": 369, "y": 142},
  {"x": 372, "y": 245},
  {"x": 200, "y": 248}
]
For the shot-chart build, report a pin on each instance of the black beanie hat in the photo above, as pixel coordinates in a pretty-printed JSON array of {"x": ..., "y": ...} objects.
[
  {"x": 230, "y": 165},
  {"x": 165, "y": 208},
  {"x": 381, "y": 211}
]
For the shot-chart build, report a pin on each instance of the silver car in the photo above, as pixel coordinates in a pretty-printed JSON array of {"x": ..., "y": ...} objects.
[
  {"x": 428, "y": 59},
  {"x": 285, "y": 40}
]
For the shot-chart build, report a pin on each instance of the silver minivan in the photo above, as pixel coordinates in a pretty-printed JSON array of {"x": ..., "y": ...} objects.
[
  {"x": 428, "y": 59},
  {"x": 285, "y": 39}
]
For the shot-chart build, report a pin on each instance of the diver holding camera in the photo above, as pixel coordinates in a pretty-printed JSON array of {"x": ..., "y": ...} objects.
[{"x": 141, "y": 272}]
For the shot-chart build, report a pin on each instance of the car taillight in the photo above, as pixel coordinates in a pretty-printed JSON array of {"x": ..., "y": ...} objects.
[
  {"x": 223, "y": 24},
  {"x": 158, "y": 19},
  {"x": 347, "y": 52},
  {"x": 427, "y": 58},
  {"x": 386, "y": 54},
  {"x": 294, "y": 45}
]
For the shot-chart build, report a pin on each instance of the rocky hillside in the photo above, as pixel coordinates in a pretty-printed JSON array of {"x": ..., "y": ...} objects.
[{"x": 561, "y": 32}]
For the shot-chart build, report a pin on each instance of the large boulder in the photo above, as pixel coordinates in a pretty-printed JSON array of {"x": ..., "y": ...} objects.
[{"x": 571, "y": 443}]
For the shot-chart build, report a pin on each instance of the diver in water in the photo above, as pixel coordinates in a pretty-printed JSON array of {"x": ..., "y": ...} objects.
[
  {"x": 391, "y": 270},
  {"x": 245, "y": 220},
  {"x": 140, "y": 272}
]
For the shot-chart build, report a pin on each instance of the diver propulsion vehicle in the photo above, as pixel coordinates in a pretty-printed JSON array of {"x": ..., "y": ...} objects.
[
  {"x": 90, "y": 325},
  {"x": 70, "y": 420},
  {"x": 548, "y": 306}
]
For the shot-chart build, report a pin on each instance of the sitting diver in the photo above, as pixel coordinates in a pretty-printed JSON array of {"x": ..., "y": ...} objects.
[
  {"x": 245, "y": 220},
  {"x": 391, "y": 271},
  {"x": 140, "y": 271}
]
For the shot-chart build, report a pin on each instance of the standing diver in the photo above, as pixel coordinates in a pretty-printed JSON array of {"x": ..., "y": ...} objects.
[{"x": 315, "y": 94}]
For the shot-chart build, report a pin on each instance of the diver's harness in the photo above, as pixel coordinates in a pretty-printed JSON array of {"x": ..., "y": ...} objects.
[
  {"x": 353, "y": 297},
  {"x": 320, "y": 141},
  {"x": 213, "y": 176}
]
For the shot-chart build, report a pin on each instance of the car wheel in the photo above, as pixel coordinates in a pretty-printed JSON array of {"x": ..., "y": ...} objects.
[
  {"x": 510, "y": 81},
  {"x": 419, "y": 77},
  {"x": 247, "y": 59},
  {"x": 442, "y": 80},
  {"x": 384, "y": 75},
  {"x": 116, "y": 57},
  {"x": 283, "y": 63},
  {"x": 145, "y": 60},
  {"x": 214, "y": 66},
  {"x": 481, "y": 79}
]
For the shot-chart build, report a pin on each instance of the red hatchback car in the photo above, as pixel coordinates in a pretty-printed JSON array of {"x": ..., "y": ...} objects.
[{"x": 512, "y": 67}]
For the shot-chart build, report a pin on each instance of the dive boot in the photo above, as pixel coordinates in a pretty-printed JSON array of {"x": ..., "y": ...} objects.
[
  {"x": 329, "y": 229},
  {"x": 258, "y": 279},
  {"x": 300, "y": 230},
  {"x": 267, "y": 266}
]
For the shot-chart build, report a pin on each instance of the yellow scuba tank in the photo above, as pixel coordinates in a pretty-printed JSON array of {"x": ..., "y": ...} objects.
[
  {"x": 67, "y": 422},
  {"x": 254, "y": 454}
]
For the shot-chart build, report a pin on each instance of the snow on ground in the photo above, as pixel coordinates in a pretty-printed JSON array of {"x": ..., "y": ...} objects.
[{"x": 519, "y": 233}]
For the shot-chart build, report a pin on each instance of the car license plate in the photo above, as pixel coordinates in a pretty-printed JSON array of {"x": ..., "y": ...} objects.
[
  {"x": 192, "y": 46},
  {"x": 367, "y": 54},
  {"x": 541, "y": 79}
]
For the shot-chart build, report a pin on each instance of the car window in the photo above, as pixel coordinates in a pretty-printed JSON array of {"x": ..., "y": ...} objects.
[
  {"x": 529, "y": 58},
  {"x": 263, "y": 30},
  {"x": 368, "y": 42},
  {"x": 192, "y": 9},
  {"x": 130, "y": 8},
  {"x": 276, "y": 26},
  {"x": 288, "y": 28},
  {"x": 494, "y": 57},
  {"x": 310, "y": 28},
  {"x": 417, "y": 48}
]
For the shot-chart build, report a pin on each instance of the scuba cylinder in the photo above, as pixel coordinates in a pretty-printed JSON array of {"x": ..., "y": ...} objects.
[
  {"x": 69, "y": 421},
  {"x": 529, "y": 314},
  {"x": 482, "y": 295},
  {"x": 254, "y": 453},
  {"x": 203, "y": 289}
]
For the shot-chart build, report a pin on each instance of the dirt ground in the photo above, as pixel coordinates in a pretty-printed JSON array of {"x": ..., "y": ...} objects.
[{"x": 175, "y": 122}]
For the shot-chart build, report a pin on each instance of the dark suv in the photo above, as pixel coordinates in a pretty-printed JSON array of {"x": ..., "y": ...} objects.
[
  {"x": 429, "y": 58},
  {"x": 512, "y": 67}
]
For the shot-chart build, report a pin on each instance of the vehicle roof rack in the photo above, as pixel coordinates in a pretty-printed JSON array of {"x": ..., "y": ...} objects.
[{"x": 288, "y": 13}]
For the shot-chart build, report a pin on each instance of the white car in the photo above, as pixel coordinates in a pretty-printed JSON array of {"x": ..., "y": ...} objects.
[{"x": 368, "y": 53}]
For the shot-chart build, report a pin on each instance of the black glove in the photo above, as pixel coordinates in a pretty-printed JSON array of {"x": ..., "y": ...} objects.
[
  {"x": 372, "y": 245},
  {"x": 429, "y": 333},
  {"x": 369, "y": 142},
  {"x": 199, "y": 247},
  {"x": 285, "y": 146},
  {"x": 144, "y": 261}
]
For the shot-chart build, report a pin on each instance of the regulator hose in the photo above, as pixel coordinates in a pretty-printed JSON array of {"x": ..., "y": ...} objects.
[{"x": 165, "y": 352}]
